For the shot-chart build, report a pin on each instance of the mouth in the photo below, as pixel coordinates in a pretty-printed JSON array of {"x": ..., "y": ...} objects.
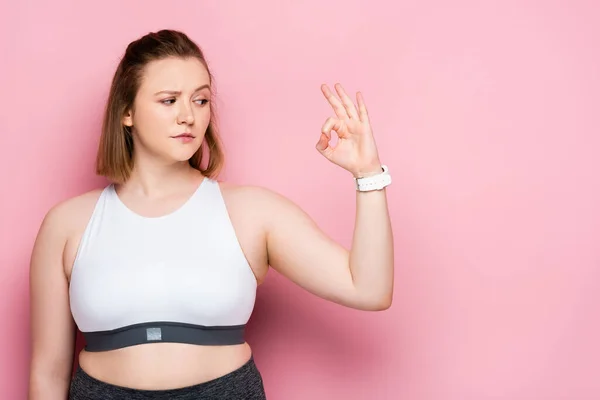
[{"x": 184, "y": 136}]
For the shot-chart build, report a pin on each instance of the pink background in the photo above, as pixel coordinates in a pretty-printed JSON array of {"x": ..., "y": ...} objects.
[{"x": 485, "y": 112}]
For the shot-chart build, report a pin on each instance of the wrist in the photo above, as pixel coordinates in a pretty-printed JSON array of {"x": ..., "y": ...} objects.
[
  {"x": 371, "y": 170},
  {"x": 376, "y": 181}
]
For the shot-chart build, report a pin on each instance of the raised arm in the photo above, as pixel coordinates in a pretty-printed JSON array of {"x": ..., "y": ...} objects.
[
  {"x": 361, "y": 278},
  {"x": 52, "y": 328}
]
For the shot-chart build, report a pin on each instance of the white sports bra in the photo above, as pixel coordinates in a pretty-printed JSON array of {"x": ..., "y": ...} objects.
[{"x": 180, "y": 278}]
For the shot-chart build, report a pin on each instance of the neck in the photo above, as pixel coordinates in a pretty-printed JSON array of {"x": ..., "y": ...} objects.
[{"x": 153, "y": 179}]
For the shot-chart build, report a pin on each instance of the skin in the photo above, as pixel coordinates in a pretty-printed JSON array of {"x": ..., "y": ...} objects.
[{"x": 272, "y": 231}]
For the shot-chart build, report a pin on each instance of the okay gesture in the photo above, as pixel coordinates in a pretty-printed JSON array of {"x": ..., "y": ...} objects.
[{"x": 355, "y": 150}]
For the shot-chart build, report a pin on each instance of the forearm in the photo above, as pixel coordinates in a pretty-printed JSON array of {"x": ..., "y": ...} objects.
[{"x": 372, "y": 252}]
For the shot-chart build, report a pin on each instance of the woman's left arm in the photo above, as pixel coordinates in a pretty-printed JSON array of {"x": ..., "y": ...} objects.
[{"x": 361, "y": 278}]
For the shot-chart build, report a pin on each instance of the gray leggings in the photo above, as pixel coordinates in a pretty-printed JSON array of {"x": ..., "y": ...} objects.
[{"x": 243, "y": 383}]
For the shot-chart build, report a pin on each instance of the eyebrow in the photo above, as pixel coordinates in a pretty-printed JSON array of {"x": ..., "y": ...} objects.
[{"x": 177, "y": 92}]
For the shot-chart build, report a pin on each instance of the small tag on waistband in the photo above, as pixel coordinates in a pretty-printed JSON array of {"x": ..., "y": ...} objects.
[{"x": 153, "y": 334}]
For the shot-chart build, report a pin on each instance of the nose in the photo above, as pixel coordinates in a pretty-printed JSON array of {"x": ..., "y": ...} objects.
[{"x": 186, "y": 114}]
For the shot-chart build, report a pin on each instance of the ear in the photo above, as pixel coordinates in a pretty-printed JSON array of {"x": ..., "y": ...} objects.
[{"x": 128, "y": 119}]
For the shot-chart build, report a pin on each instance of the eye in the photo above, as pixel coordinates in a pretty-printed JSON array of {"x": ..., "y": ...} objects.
[
  {"x": 168, "y": 101},
  {"x": 201, "y": 101}
]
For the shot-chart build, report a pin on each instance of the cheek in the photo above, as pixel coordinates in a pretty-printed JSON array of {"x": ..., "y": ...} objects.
[
  {"x": 154, "y": 121},
  {"x": 203, "y": 114},
  {"x": 202, "y": 119}
]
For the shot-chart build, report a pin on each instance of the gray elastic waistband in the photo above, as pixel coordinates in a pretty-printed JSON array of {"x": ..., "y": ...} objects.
[{"x": 154, "y": 332}]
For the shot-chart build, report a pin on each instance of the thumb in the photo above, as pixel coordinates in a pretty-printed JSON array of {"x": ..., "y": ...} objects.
[{"x": 323, "y": 144}]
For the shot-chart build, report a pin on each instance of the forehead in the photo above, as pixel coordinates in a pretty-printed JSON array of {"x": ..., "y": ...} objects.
[{"x": 174, "y": 74}]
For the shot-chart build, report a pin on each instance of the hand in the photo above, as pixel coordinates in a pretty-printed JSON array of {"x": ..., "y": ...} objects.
[{"x": 355, "y": 150}]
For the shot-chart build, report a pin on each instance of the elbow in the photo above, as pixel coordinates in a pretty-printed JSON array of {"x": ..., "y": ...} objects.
[
  {"x": 383, "y": 305},
  {"x": 378, "y": 304},
  {"x": 45, "y": 383},
  {"x": 46, "y": 388}
]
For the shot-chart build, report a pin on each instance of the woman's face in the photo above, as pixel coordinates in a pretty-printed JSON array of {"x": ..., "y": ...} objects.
[{"x": 171, "y": 110}]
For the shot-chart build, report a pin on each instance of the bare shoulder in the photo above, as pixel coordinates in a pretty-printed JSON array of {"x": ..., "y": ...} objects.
[
  {"x": 248, "y": 207},
  {"x": 70, "y": 213},
  {"x": 63, "y": 226},
  {"x": 56, "y": 231},
  {"x": 248, "y": 192},
  {"x": 266, "y": 208},
  {"x": 256, "y": 199}
]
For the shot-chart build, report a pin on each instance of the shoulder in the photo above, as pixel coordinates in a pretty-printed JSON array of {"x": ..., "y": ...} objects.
[
  {"x": 67, "y": 214},
  {"x": 267, "y": 204},
  {"x": 254, "y": 196},
  {"x": 59, "y": 225}
]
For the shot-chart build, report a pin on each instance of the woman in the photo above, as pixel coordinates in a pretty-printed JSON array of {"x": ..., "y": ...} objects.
[{"x": 159, "y": 269}]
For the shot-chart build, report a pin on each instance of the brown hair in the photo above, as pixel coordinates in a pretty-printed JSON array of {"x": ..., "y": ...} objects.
[{"x": 115, "y": 152}]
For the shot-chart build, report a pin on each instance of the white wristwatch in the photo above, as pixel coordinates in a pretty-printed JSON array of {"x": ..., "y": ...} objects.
[{"x": 375, "y": 182}]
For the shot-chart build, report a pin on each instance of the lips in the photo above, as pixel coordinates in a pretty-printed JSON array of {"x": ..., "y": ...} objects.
[{"x": 184, "y": 135}]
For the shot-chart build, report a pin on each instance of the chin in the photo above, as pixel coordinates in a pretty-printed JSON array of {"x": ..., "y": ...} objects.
[{"x": 181, "y": 155}]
